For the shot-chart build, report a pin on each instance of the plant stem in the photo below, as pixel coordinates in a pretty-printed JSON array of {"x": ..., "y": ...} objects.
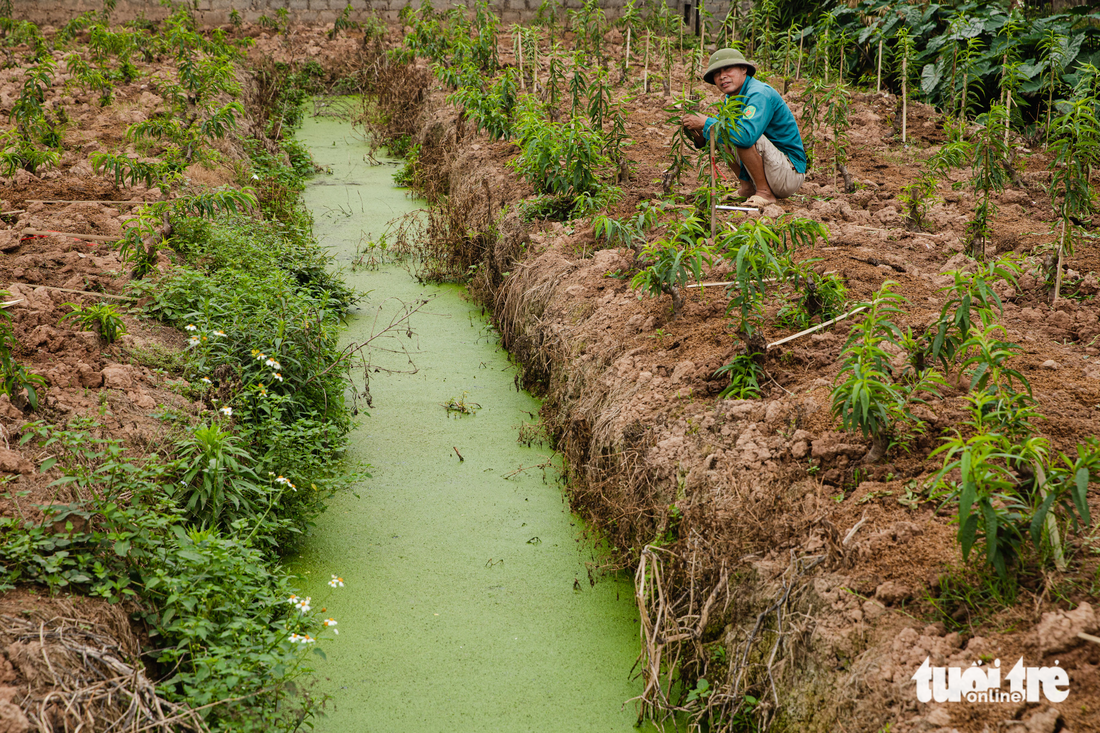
[{"x": 645, "y": 74}]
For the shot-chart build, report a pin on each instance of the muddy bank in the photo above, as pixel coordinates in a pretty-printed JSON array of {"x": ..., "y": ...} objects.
[{"x": 785, "y": 564}]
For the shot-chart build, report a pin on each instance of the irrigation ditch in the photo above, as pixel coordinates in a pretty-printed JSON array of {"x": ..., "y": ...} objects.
[{"x": 810, "y": 519}]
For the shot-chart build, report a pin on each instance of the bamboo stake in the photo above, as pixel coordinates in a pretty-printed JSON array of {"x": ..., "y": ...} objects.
[
  {"x": 626, "y": 61},
  {"x": 1051, "y": 524},
  {"x": 798, "y": 66},
  {"x": 519, "y": 55},
  {"x": 818, "y": 327},
  {"x": 645, "y": 74},
  {"x": 713, "y": 189},
  {"x": 904, "y": 94},
  {"x": 878, "y": 80},
  {"x": 1008, "y": 113},
  {"x": 787, "y": 55},
  {"x": 1058, "y": 273},
  {"x": 535, "y": 65}
]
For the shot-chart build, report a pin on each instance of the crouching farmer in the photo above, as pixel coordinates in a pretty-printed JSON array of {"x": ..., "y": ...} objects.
[{"x": 766, "y": 137}]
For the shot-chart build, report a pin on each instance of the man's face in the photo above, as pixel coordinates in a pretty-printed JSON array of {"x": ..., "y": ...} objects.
[{"x": 730, "y": 79}]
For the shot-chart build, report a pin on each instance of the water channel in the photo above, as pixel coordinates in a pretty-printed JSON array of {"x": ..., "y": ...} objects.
[{"x": 467, "y": 605}]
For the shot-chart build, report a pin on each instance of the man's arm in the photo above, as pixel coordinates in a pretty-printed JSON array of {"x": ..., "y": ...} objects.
[{"x": 750, "y": 125}]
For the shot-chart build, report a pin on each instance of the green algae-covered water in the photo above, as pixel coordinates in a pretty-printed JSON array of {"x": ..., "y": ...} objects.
[{"x": 466, "y": 604}]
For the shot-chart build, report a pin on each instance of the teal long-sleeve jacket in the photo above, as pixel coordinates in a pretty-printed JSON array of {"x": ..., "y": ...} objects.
[{"x": 763, "y": 112}]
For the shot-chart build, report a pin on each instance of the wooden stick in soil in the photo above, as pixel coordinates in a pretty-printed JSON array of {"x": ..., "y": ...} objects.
[
  {"x": 645, "y": 74},
  {"x": 904, "y": 94},
  {"x": 878, "y": 80},
  {"x": 626, "y": 59},
  {"x": 1051, "y": 523},
  {"x": 798, "y": 66},
  {"x": 713, "y": 190},
  {"x": 787, "y": 55},
  {"x": 818, "y": 327},
  {"x": 1058, "y": 271},
  {"x": 83, "y": 201},
  {"x": 74, "y": 235},
  {"x": 78, "y": 292},
  {"x": 519, "y": 56}
]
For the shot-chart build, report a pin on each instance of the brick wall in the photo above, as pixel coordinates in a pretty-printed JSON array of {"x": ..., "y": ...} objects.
[{"x": 216, "y": 12}]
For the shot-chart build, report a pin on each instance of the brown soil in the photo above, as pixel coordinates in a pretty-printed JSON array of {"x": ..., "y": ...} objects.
[
  {"x": 80, "y": 645},
  {"x": 759, "y": 486},
  {"x": 746, "y": 487}
]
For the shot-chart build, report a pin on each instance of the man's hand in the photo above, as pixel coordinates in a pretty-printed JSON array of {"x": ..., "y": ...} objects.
[
  {"x": 693, "y": 125},
  {"x": 694, "y": 122}
]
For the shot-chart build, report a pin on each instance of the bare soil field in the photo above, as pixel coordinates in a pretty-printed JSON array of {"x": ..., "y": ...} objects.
[
  {"x": 774, "y": 557},
  {"x": 784, "y": 564}
]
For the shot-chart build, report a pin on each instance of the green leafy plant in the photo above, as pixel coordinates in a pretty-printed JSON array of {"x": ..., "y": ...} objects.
[
  {"x": 673, "y": 259},
  {"x": 15, "y": 381},
  {"x": 745, "y": 374},
  {"x": 562, "y": 159},
  {"x": 102, "y": 317},
  {"x": 989, "y": 174},
  {"x": 216, "y": 485},
  {"x": 1076, "y": 149},
  {"x": 819, "y": 296},
  {"x": 867, "y": 398},
  {"x": 970, "y": 294}
]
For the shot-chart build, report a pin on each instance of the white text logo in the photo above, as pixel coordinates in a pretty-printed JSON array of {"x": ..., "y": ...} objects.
[{"x": 979, "y": 683}]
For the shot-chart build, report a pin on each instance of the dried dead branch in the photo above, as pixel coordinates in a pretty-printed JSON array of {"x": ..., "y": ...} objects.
[{"x": 89, "y": 684}]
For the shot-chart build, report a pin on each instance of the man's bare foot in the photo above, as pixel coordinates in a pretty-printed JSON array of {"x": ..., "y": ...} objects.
[
  {"x": 746, "y": 189},
  {"x": 760, "y": 200}
]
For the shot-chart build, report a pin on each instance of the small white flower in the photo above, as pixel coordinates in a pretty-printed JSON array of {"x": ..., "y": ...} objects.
[
  {"x": 282, "y": 480},
  {"x": 227, "y": 411},
  {"x": 206, "y": 380},
  {"x": 255, "y": 177},
  {"x": 336, "y": 582},
  {"x": 260, "y": 356},
  {"x": 276, "y": 375},
  {"x": 190, "y": 327},
  {"x": 303, "y": 605},
  {"x": 219, "y": 333},
  {"x": 194, "y": 341},
  {"x": 328, "y": 622}
]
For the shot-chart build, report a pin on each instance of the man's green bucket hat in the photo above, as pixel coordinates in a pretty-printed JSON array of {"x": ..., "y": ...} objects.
[{"x": 724, "y": 57}]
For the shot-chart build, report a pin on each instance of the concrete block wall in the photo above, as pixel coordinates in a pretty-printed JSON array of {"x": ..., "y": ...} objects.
[{"x": 217, "y": 12}]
